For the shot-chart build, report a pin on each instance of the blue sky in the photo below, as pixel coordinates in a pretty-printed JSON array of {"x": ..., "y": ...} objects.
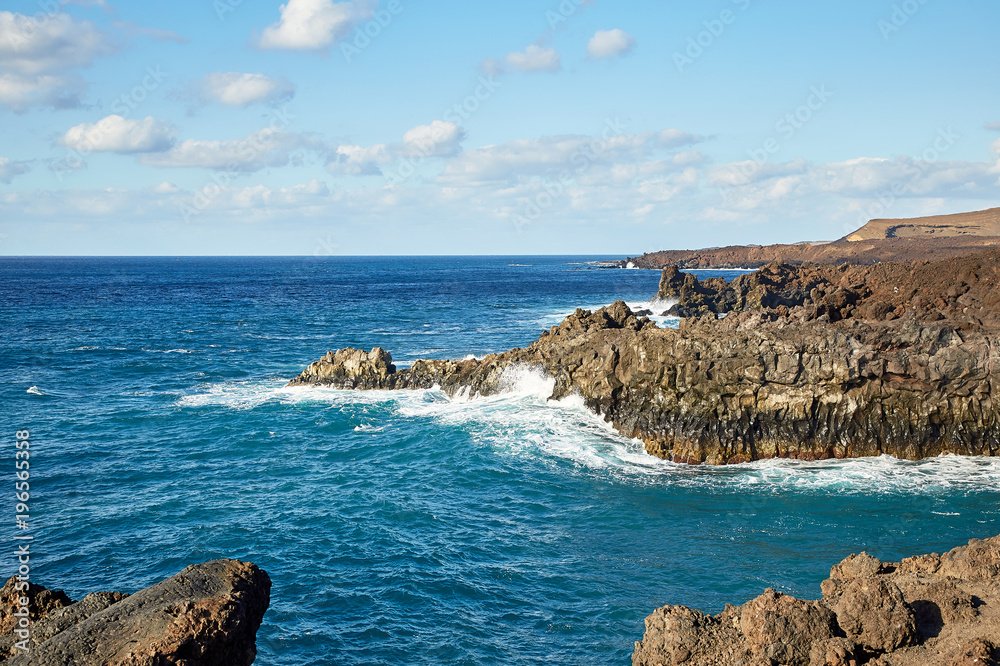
[{"x": 524, "y": 127}]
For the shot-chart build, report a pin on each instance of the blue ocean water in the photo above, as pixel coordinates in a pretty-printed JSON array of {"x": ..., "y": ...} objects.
[{"x": 403, "y": 528}]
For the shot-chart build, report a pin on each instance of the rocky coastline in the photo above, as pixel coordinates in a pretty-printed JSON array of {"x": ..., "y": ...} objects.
[
  {"x": 206, "y": 615},
  {"x": 901, "y": 240},
  {"x": 928, "y": 610},
  {"x": 805, "y": 362}
]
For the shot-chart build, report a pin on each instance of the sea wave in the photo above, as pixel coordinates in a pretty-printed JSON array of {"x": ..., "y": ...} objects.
[{"x": 522, "y": 422}]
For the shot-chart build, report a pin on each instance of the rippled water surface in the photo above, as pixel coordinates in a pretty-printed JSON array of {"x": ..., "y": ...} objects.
[{"x": 405, "y": 527}]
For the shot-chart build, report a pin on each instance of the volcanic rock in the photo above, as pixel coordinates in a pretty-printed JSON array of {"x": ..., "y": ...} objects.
[
  {"x": 208, "y": 614},
  {"x": 870, "y": 621}
]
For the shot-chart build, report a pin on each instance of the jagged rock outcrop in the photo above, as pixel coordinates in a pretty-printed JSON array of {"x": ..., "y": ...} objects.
[
  {"x": 206, "y": 615},
  {"x": 929, "y": 610},
  {"x": 960, "y": 289},
  {"x": 836, "y": 375}
]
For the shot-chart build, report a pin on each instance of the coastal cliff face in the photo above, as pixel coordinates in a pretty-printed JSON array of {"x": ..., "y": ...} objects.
[
  {"x": 929, "y": 610},
  {"x": 206, "y": 615},
  {"x": 846, "y": 375},
  {"x": 903, "y": 240}
]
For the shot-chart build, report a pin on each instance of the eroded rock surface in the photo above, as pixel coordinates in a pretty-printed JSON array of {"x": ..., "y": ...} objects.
[
  {"x": 208, "y": 614},
  {"x": 846, "y": 374},
  {"x": 931, "y": 610}
]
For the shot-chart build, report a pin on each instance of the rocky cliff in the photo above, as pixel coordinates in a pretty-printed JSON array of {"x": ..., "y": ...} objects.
[
  {"x": 905, "y": 240},
  {"x": 930, "y": 610},
  {"x": 206, "y": 615},
  {"x": 807, "y": 364}
]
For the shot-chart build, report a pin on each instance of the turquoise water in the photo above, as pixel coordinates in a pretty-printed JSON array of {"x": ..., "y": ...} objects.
[{"x": 404, "y": 527}]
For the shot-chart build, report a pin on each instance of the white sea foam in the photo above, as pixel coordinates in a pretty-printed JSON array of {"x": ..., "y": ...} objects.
[
  {"x": 522, "y": 422},
  {"x": 34, "y": 390},
  {"x": 658, "y": 307}
]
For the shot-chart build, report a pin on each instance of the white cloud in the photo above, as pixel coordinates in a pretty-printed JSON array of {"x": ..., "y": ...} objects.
[
  {"x": 268, "y": 147},
  {"x": 166, "y": 187},
  {"x": 9, "y": 169},
  {"x": 20, "y": 93},
  {"x": 360, "y": 160},
  {"x": 36, "y": 54},
  {"x": 610, "y": 44},
  {"x": 236, "y": 89},
  {"x": 439, "y": 139},
  {"x": 313, "y": 25},
  {"x": 115, "y": 134},
  {"x": 527, "y": 158},
  {"x": 534, "y": 59}
]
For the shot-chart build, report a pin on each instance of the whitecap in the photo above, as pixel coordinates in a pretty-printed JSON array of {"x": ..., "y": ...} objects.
[
  {"x": 34, "y": 390},
  {"x": 522, "y": 422}
]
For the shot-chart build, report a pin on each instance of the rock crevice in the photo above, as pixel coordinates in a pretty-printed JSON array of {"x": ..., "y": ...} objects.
[
  {"x": 208, "y": 614},
  {"x": 930, "y": 610},
  {"x": 890, "y": 359}
]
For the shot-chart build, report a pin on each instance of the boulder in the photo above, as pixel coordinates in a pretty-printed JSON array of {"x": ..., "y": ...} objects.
[{"x": 208, "y": 614}]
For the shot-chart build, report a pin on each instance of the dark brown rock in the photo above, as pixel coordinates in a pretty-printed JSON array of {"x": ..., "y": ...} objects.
[
  {"x": 872, "y": 607},
  {"x": 872, "y": 612},
  {"x": 208, "y": 614},
  {"x": 783, "y": 628}
]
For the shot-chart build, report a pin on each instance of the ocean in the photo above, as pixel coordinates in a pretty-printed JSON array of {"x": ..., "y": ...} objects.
[{"x": 404, "y": 528}]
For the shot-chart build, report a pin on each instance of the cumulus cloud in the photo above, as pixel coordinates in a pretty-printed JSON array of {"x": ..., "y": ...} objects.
[
  {"x": 35, "y": 56},
  {"x": 534, "y": 58},
  {"x": 314, "y": 25},
  {"x": 528, "y": 158},
  {"x": 9, "y": 169},
  {"x": 863, "y": 188},
  {"x": 269, "y": 147},
  {"x": 115, "y": 134},
  {"x": 610, "y": 44},
  {"x": 236, "y": 89},
  {"x": 438, "y": 139}
]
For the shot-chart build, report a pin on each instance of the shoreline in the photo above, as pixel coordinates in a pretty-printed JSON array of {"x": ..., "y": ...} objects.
[{"x": 808, "y": 363}]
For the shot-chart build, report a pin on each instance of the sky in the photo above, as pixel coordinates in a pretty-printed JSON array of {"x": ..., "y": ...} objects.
[{"x": 374, "y": 127}]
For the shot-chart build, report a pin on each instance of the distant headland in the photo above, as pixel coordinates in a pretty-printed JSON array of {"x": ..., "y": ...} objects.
[{"x": 901, "y": 240}]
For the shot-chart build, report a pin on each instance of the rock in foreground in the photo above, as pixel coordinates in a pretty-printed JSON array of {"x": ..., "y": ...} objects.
[
  {"x": 208, "y": 614},
  {"x": 930, "y": 610}
]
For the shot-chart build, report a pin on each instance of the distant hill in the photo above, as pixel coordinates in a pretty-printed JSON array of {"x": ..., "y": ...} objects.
[
  {"x": 915, "y": 239},
  {"x": 977, "y": 224}
]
